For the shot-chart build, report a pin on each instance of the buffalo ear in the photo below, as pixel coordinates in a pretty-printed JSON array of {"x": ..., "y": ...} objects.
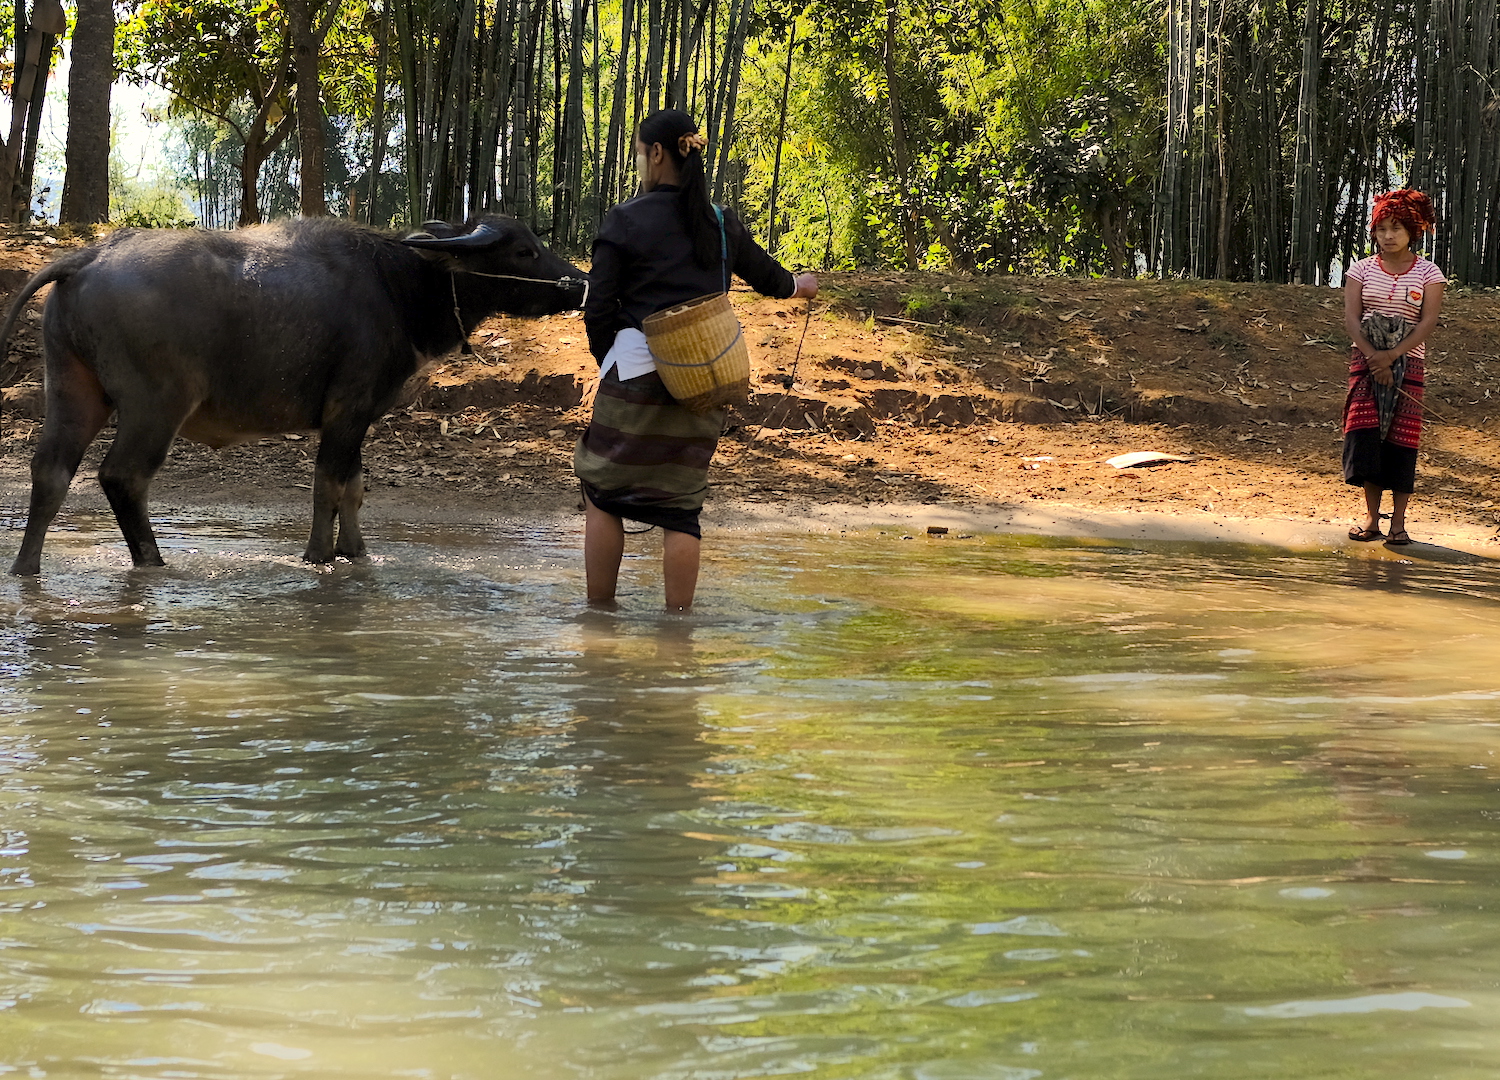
[{"x": 485, "y": 235}]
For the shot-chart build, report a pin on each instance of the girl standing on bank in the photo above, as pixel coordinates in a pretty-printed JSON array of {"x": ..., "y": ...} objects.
[
  {"x": 1391, "y": 305},
  {"x": 645, "y": 457}
]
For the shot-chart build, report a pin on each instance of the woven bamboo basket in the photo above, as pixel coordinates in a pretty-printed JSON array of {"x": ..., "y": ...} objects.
[{"x": 700, "y": 353}]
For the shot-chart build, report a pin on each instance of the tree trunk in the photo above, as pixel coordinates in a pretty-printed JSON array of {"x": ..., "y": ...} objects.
[
  {"x": 34, "y": 111},
  {"x": 1221, "y": 248},
  {"x": 681, "y": 85},
  {"x": 258, "y": 143},
  {"x": 732, "y": 90},
  {"x": 721, "y": 108},
  {"x": 34, "y": 47},
  {"x": 1304, "y": 173},
  {"x": 654, "y": 50},
  {"x": 406, "y": 41},
  {"x": 786, "y": 88},
  {"x": 1165, "y": 247},
  {"x": 573, "y": 127},
  {"x": 597, "y": 148},
  {"x": 898, "y": 134},
  {"x": 314, "y": 202},
  {"x": 377, "y": 122},
  {"x": 250, "y": 161},
  {"x": 258, "y": 147},
  {"x": 498, "y": 78},
  {"x": 450, "y": 142},
  {"x": 615, "y": 144},
  {"x": 85, "y": 193}
]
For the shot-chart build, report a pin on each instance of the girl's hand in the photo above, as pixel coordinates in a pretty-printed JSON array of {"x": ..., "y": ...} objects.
[
  {"x": 807, "y": 286},
  {"x": 1380, "y": 366}
]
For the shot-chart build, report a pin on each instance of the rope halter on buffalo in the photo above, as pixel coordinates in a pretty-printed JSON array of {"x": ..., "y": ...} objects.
[{"x": 560, "y": 283}]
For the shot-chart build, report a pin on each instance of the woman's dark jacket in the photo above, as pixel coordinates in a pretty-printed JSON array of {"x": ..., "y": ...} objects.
[{"x": 643, "y": 263}]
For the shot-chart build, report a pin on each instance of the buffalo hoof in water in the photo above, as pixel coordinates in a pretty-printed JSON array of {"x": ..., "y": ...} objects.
[{"x": 332, "y": 557}]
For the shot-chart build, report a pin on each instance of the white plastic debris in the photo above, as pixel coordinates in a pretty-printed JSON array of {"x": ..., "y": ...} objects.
[{"x": 1136, "y": 458}]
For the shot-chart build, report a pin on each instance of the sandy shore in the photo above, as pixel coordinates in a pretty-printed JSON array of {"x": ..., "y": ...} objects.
[{"x": 1061, "y": 519}]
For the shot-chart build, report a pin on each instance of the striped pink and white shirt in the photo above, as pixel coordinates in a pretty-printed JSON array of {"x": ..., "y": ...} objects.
[{"x": 1395, "y": 294}]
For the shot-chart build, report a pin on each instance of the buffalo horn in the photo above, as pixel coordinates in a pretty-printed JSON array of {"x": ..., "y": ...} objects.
[{"x": 485, "y": 235}]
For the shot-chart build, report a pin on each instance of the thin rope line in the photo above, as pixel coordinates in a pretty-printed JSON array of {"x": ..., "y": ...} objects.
[
  {"x": 462, "y": 333},
  {"x": 1419, "y": 403},
  {"x": 1423, "y": 405},
  {"x": 791, "y": 379},
  {"x": 561, "y": 283}
]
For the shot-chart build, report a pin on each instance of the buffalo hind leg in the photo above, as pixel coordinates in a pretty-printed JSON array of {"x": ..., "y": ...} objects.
[
  {"x": 76, "y": 409},
  {"x": 141, "y": 444},
  {"x": 338, "y": 493}
]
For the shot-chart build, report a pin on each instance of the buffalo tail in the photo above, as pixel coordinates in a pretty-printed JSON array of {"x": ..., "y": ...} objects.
[{"x": 63, "y": 268}]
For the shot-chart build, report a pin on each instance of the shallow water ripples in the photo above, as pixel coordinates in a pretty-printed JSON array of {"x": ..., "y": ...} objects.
[{"x": 940, "y": 812}]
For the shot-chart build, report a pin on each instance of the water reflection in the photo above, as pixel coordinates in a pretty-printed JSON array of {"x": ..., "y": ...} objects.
[{"x": 996, "y": 809}]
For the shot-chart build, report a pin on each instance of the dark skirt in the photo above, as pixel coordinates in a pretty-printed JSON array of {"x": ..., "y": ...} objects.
[
  {"x": 1369, "y": 459},
  {"x": 644, "y": 457}
]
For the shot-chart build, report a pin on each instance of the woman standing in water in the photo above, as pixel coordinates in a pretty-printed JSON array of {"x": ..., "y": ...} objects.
[
  {"x": 1391, "y": 305},
  {"x": 645, "y": 457}
]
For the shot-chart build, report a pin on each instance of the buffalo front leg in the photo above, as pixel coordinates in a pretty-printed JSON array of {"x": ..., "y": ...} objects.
[
  {"x": 351, "y": 543},
  {"x": 141, "y": 445},
  {"x": 76, "y": 410},
  {"x": 338, "y": 493}
]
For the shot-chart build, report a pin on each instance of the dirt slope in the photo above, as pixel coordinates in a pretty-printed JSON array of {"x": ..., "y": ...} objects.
[{"x": 913, "y": 388}]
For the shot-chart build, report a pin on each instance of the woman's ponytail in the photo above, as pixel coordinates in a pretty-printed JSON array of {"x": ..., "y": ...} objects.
[{"x": 678, "y": 135}]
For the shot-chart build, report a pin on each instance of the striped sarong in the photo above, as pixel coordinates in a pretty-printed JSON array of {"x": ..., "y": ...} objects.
[{"x": 644, "y": 456}]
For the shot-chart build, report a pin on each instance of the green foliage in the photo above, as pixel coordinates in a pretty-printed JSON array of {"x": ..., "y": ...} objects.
[
  {"x": 1038, "y": 135},
  {"x": 1029, "y": 125},
  {"x": 226, "y": 62},
  {"x": 929, "y": 306},
  {"x": 149, "y": 200},
  {"x": 1030, "y": 128},
  {"x": 212, "y": 54}
]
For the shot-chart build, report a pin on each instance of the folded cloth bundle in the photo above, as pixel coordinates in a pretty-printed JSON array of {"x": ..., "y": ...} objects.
[{"x": 1386, "y": 332}]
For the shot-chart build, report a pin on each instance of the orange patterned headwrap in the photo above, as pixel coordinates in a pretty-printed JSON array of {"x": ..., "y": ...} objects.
[{"x": 1408, "y": 206}]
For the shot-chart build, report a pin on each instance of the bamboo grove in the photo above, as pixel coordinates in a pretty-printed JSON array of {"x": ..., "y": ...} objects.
[
  {"x": 1282, "y": 125},
  {"x": 1241, "y": 139},
  {"x": 529, "y": 107}
]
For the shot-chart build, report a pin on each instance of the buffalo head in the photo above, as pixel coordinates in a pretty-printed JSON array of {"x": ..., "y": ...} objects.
[{"x": 505, "y": 261}]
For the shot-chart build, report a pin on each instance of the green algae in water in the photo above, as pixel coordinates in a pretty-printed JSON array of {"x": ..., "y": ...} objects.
[{"x": 967, "y": 810}]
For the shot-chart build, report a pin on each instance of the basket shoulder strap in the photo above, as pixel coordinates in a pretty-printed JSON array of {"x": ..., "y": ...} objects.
[{"x": 723, "y": 244}]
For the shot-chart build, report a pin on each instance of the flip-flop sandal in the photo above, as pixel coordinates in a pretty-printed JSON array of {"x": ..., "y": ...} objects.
[
  {"x": 1398, "y": 539},
  {"x": 1365, "y": 535}
]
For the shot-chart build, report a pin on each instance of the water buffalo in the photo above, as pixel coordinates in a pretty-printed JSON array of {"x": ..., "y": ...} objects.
[{"x": 228, "y": 337}]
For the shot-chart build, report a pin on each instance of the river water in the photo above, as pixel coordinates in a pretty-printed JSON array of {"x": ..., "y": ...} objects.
[{"x": 992, "y": 808}]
